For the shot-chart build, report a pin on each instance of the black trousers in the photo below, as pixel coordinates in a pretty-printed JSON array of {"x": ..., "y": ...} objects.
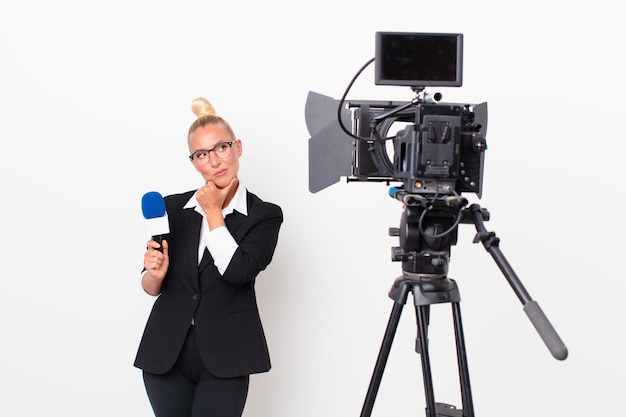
[{"x": 189, "y": 390}]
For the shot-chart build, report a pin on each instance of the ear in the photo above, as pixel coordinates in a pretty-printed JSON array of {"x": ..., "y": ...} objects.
[{"x": 239, "y": 147}]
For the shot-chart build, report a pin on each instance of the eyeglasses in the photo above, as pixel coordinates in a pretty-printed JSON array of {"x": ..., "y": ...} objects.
[{"x": 221, "y": 149}]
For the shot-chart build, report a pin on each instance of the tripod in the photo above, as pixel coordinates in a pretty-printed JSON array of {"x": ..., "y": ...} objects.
[{"x": 426, "y": 235}]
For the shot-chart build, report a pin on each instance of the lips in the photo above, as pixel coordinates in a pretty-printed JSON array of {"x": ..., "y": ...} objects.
[{"x": 220, "y": 173}]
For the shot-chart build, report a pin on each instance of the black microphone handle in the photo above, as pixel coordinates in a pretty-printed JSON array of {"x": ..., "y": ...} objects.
[{"x": 159, "y": 239}]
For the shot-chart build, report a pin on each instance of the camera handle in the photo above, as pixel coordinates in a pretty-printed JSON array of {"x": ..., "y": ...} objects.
[{"x": 531, "y": 307}]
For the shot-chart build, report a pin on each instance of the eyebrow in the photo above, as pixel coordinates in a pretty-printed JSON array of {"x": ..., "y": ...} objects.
[{"x": 214, "y": 145}]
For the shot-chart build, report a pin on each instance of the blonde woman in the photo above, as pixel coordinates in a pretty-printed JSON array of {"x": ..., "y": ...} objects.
[{"x": 204, "y": 336}]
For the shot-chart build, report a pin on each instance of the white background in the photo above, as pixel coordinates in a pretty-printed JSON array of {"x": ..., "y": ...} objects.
[{"x": 94, "y": 109}]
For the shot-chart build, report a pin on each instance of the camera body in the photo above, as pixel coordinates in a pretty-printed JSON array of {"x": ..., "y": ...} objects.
[{"x": 439, "y": 151}]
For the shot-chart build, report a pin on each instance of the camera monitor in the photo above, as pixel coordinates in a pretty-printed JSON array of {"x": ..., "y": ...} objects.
[{"x": 419, "y": 59}]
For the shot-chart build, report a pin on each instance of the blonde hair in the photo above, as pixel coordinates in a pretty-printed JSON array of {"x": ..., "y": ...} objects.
[{"x": 207, "y": 115}]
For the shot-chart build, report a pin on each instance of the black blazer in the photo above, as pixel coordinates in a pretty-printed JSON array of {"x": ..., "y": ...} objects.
[{"x": 224, "y": 308}]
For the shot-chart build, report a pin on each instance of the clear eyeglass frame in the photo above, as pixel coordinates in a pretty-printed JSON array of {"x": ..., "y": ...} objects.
[{"x": 221, "y": 149}]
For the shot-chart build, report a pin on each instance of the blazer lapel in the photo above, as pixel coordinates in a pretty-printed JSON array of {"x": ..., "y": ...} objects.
[
  {"x": 193, "y": 221},
  {"x": 233, "y": 221},
  {"x": 207, "y": 260}
]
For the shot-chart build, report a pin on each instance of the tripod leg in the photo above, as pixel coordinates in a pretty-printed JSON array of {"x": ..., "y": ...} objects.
[
  {"x": 422, "y": 313},
  {"x": 418, "y": 343},
  {"x": 383, "y": 355},
  {"x": 466, "y": 392}
]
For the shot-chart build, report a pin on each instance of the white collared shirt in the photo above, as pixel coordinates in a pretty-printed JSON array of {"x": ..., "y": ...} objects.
[{"x": 219, "y": 241}]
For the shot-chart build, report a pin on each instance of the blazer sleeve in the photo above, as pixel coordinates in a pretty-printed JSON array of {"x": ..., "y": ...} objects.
[{"x": 257, "y": 240}]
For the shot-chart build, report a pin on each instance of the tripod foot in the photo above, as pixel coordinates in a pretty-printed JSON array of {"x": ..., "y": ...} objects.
[{"x": 446, "y": 410}]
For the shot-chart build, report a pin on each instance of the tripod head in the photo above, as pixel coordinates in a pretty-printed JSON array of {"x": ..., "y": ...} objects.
[{"x": 428, "y": 229}]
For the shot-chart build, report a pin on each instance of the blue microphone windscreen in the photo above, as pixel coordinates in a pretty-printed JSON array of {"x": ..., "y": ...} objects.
[{"x": 152, "y": 205}]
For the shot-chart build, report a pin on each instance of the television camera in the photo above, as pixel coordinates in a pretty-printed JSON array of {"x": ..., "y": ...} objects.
[{"x": 435, "y": 152}]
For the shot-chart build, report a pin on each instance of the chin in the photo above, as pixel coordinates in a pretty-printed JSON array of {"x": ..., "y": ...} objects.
[{"x": 222, "y": 182}]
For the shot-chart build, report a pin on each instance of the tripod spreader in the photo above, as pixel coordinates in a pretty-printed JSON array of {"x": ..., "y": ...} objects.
[{"x": 531, "y": 307}]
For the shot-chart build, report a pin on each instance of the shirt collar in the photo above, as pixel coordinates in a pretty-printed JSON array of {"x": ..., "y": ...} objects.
[{"x": 238, "y": 203}]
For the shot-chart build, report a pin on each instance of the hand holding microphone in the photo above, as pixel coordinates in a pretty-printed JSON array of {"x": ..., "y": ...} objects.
[{"x": 156, "y": 260}]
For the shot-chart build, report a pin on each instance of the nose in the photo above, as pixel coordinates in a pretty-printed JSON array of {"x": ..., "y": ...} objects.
[{"x": 213, "y": 159}]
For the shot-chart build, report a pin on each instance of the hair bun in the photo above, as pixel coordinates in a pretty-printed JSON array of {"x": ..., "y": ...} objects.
[{"x": 202, "y": 107}]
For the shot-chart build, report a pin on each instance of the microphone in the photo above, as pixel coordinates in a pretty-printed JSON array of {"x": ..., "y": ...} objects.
[{"x": 156, "y": 221}]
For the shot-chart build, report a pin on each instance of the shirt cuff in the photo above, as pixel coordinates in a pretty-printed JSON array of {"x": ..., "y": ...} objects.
[{"x": 222, "y": 247}]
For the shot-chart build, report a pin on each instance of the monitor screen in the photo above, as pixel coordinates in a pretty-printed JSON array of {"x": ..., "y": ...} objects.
[{"x": 419, "y": 59}]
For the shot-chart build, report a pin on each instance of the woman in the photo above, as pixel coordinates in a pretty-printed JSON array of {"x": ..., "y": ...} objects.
[{"x": 204, "y": 336}]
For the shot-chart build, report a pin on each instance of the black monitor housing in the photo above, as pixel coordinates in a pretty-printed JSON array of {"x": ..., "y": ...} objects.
[{"x": 419, "y": 59}]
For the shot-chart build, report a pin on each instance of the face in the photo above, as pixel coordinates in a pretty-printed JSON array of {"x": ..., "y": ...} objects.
[{"x": 220, "y": 171}]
